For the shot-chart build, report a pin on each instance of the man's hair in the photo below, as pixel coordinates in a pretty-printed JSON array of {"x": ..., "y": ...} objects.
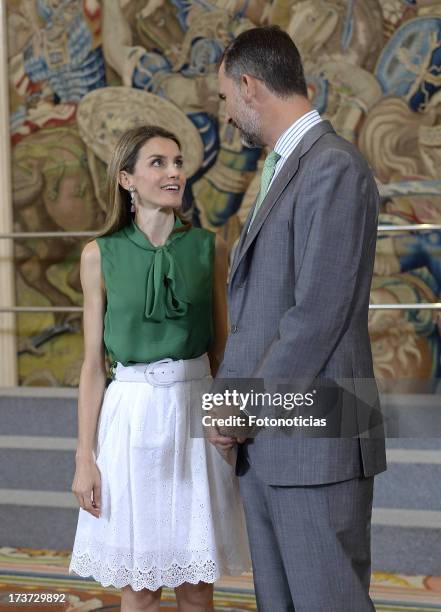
[{"x": 268, "y": 54}]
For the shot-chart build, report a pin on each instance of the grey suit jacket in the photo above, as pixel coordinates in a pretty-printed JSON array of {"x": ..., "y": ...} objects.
[{"x": 298, "y": 302}]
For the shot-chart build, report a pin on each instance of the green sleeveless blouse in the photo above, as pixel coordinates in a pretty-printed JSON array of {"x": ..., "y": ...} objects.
[{"x": 159, "y": 299}]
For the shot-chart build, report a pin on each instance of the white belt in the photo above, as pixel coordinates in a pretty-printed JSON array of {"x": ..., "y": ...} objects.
[{"x": 165, "y": 372}]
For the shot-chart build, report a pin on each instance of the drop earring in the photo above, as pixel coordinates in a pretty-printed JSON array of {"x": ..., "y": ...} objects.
[{"x": 132, "y": 190}]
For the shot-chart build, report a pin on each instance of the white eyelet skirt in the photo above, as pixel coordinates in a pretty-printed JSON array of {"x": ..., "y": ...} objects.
[{"x": 170, "y": 510}]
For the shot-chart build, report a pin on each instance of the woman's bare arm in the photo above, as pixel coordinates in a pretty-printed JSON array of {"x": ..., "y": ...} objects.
[
  {"x": 220, "y": 313},
  {"x": 86, "y": 484}
]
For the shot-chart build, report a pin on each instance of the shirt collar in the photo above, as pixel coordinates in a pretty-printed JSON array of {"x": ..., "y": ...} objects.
[
  {"x": 291, "y": 137},
  {"x": 134, "y": 234}
]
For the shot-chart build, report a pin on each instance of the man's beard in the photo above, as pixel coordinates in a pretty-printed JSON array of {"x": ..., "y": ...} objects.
[
  {"x": 252, "y": 141},
  {"x": 248, "y": 126}
]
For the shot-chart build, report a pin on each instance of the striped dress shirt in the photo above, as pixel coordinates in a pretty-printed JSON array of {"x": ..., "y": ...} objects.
[{"x": 292, "y": 136}]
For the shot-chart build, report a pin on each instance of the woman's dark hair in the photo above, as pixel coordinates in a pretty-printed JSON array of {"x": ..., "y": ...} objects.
[{"x": 268, "y": 54}]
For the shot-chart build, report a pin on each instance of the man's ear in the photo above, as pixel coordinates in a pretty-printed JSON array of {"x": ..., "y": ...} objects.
[
  {"x": 248, "y": 86},
  {"x": 245, "y": 87},
  {"x": 123, "y": 179}
]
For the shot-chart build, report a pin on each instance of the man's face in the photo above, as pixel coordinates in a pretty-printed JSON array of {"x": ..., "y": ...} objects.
[{"x": 238, "y": 112}]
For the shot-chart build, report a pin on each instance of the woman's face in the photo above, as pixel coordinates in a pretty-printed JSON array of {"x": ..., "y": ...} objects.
[{"x": 159, "y": 176}]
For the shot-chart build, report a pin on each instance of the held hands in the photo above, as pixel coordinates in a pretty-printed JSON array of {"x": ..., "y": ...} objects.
[
  {"x": 86, "y": 486},
  {"x": 224, "y": 443}
]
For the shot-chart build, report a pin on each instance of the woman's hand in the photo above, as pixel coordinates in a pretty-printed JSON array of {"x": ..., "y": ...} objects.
[
  {"x": 86, "y": 486},
  {"x": 224, "y": 444}
]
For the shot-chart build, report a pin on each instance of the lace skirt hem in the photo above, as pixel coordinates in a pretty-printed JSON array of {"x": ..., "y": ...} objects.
[{"x": 151, "y": 578}]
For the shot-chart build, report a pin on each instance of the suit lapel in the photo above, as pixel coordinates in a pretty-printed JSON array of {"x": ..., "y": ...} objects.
[{"x": 276, "y": 189}]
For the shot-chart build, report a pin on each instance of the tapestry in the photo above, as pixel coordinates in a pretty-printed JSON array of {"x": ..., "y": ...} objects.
[{"x": 83, "y": 71}]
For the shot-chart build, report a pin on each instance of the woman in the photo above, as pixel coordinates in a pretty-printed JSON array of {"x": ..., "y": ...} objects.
[{"x": 158, "y": 506}]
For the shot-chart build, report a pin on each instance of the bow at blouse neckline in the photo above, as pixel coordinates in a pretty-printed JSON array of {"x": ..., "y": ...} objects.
[{"x": 165, "y": 294}]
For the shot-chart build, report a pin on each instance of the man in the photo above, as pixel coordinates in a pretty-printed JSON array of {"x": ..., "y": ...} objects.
[{"x": 298, "y": 298}]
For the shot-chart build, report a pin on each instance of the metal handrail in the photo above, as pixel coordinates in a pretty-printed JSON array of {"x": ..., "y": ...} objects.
[
  {"x": 381, "y": 228},
  {"x": 42, "y": 309},
  {"x": 417, "y": 227},
  {"x": 15, "y": 235},
  {"x": 422, "y": 306}
]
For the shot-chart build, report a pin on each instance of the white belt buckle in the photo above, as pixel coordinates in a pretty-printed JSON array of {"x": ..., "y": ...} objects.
[{"x": 150, "y": 371}]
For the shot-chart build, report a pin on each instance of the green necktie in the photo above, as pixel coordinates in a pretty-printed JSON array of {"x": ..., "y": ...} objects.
[{"x": 267, "y": 174}]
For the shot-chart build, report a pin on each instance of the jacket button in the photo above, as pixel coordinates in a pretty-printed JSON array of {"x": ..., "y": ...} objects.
[{"x": 233, "y": 329}]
